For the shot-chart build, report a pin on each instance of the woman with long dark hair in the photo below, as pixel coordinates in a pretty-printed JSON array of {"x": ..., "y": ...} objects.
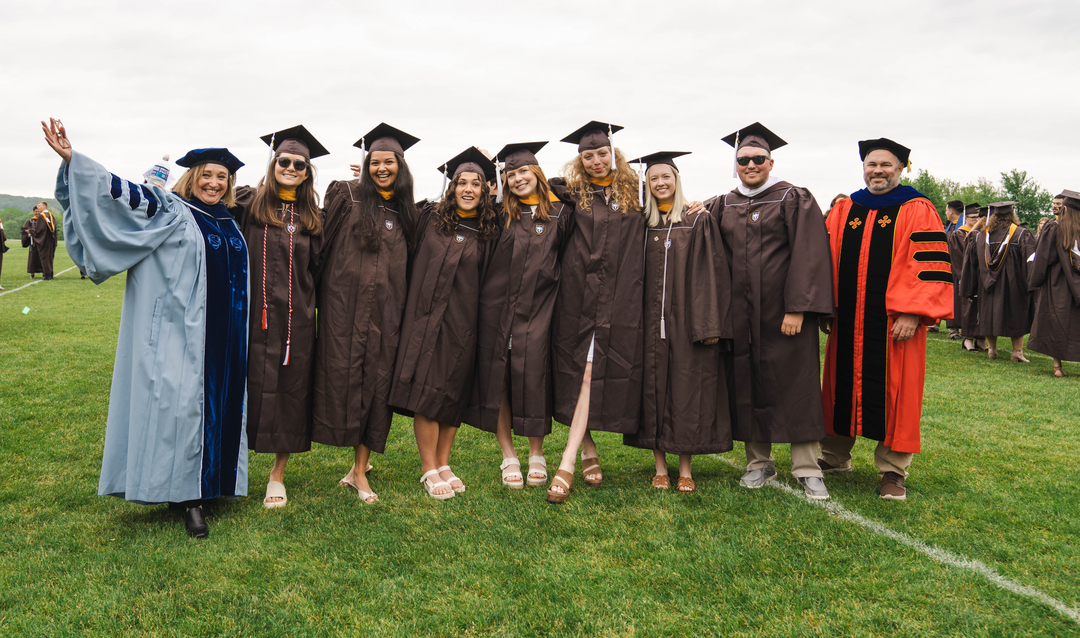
[
  {"x": 513, "y": 389},
  {"x": 282, "y": 223},
  {"x": 176, "y": 431},
  {"x": 995, "y": 275},
  {"x": 434, "y": 367},
  {"x": 1054, "y": 277},
  {"x": 369, "y": 233}
]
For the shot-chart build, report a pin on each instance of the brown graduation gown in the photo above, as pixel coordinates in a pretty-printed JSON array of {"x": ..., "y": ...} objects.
[
  {"x": 685, "y": 399},
  {"x": 33, "y": 263},
  {"x": 778, "y": 253},
  {"x": 999, "y": 282},
  {"x": 434, "y": 368},
  {"x": 1054, "y": 277},
  {"x": 43, "y": 232},
  {"x": 279, "y": 395},
  {"x": 3, "y": 249},
  {"x": 361, "y": 299},
  {"x": 517, "y": 302},
  {"x": 600, "y": 293},
  {"x": 965, "y": 315}
]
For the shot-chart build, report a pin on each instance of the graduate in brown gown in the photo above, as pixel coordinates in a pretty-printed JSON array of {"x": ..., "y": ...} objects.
[
  {"x": 43, "y": 232},
  {"x": 513, "y": 389},
  {"x": 282, "y": 225},
  {"x": 963, "y": 309},
  {"x": 370, "y": 231},
  {"x": 781, "y": 284},
  {"x": 685, "y": 403},
  {"x": 3, "y": 249},
  {"x": 954, "y": 214},
  {"x": 433, "y": 374},
  {"x": 1054, "y": 277},
  {"x": 995, "y": 276},
  {"x": 597, "y": 343}
]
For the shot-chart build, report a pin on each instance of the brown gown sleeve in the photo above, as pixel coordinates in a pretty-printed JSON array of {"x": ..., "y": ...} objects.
[
  {"x": 244, "y": 196},
  {"x": 708, "y": 283},
  {"x": 808, "y": 288}
]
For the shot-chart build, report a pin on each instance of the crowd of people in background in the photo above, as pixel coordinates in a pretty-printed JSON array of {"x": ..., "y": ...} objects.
[{"x": 606, "y": 299}]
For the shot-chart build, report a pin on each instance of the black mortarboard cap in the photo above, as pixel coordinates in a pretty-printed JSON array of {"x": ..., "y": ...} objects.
[
  {"x": 296, "y": 140},
  {"x": 901, "y": 152},
  {"x": 514, "y": 156},
  {"x": 971, "y": 208},
  {"x": 660, "y": 157},
  {"x": 984, "y": 211},
  {"x": 592, "y": 136},
  {"x": 755, "y": 135},
  {"x": 1002, "y": 208},
  {"x": 199, "y": 156},
  {"x": 1072, "y": 199},
  {"x": 470, "y": 160},
  {"x": 386, "y": 138}
]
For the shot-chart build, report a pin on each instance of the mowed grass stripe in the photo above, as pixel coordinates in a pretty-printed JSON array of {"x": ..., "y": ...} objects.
[
  {"x": 996, "y": 480},
  {"x": 35, "y": 281}
]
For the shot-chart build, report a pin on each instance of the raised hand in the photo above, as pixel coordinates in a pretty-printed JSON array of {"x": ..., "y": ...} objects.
[{"x": 56, "y": 137}]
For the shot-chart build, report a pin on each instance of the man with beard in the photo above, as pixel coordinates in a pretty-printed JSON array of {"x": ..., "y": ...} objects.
[
  {"x": 778, "y": 254},
  {"x": 892, "y": 278}
]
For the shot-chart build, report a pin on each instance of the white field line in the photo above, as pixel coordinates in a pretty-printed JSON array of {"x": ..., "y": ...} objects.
[
  {"x": 36, "y": 281},
  {"x": 942, "y": 556}
]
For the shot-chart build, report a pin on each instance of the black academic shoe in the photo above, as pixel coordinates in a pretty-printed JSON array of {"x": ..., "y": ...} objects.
[
  {"x": 196, "y": 524},
  {"x": 181, "y": 508}
]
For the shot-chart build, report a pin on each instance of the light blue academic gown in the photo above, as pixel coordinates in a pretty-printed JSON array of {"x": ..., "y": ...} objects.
[{"x": 156, "y": 449}]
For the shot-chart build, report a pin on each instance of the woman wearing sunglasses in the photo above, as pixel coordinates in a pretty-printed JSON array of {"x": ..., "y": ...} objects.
[
  {"x": 282, "y": 223},
  {"x": 175, "y": 432},
  {"x": 370, "y": 232},
  {"x": 685, "y": 407},
  {"x": 434, "y": 370},
  {"x": 512, "y": 393}
]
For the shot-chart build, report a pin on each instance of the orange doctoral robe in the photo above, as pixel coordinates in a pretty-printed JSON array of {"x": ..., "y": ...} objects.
[{"x": 889, "y": 257}]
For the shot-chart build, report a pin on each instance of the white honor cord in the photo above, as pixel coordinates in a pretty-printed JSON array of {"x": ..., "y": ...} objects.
[{"x": 663, "y": 295}]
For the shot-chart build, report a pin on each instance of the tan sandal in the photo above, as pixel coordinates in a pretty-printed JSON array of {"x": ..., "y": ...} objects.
[
  {"x": 511, "y": 473},
  {"x": 565, "y": 479},
  {"x": 685, "y": 484},
  {"x": 661, "y": 481},
  {"x": 537, "y": 465},
  {"x": 1058, "y": 371},
  {"x": 591, "y": 466}
]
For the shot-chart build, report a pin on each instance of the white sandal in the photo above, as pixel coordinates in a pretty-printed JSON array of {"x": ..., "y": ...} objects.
[
  {"x": 459, "y": 490},
  {"x": 542, "y": 462},
  {"x": 275, "y": 489},
  {"x": 512, "y": 462},
  {"x": 364, "y": 496},
  {"x": 430, "y": 485}
]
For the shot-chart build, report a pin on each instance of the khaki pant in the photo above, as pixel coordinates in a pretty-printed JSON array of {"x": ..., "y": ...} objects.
[
  {"x": 803, "y": 458},
  {"x": 836, "y": 451}
]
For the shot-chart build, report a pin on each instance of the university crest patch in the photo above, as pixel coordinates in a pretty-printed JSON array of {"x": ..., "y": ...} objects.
[
  {"x": 215, "y": 241},
  {"x": 539, "y": 229},
  {"x": 459, "y": 239},
  {"x": 389, "y": 225}
]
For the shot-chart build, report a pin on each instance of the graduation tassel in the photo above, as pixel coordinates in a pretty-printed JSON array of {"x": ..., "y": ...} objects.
[
  {"x": 271, "y": 158},
  {"x": 264, "y": 316},
  {"x": 641, "y": 186},
  {"x": 663, "y": 332},
  {"x": 612, "y": 144},
  {"x": 363, "y": 156},
  {"x": 735, "y": 162},
  {"x": 445, "y": 179},
  {"x": 498, "y": 182}
]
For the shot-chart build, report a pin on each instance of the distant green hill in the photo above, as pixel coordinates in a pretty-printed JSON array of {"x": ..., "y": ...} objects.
[{"x": 26, "y": 204}]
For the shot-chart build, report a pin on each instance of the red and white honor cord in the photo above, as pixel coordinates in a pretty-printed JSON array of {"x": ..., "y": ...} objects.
[{"x": 288, "y": 329}]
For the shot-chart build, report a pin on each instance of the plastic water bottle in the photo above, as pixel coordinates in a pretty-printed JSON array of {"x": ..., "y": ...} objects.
[{"x": 159, "y": 174}]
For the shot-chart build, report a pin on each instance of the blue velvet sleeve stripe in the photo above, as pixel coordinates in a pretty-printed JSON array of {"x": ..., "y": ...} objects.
[
  {"x": 115, "y": 190},
  {"x": 133, "y": 196},
  {"x": 151, "y": 201}
]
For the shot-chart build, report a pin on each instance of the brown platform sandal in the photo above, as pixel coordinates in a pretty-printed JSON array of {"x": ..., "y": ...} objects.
[
  {"x": 661, "y": 481},
  {"x": 685, "y": 484},
  {"x": 565, "y": 478},
  {"x": 591, "y": 466}
]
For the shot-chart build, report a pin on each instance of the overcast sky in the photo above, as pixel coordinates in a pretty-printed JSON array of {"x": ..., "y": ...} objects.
[{"x": 974, "y": 88}]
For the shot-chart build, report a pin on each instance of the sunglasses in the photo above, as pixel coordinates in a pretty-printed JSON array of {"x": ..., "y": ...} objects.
[
  {"x": 758, "y": 160},
  {"x": 285, "y": 162}
]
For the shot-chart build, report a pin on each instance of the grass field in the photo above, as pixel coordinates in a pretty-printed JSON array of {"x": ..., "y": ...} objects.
[{"x": 996, "y": 483}]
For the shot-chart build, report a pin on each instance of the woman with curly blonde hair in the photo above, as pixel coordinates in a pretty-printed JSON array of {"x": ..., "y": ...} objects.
[{"x": 597, "y": 338}]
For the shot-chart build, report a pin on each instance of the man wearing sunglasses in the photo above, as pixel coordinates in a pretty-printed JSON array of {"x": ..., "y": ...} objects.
[
  {"x": 778, "y": 254},
  {"x": 893, "y": 278}
]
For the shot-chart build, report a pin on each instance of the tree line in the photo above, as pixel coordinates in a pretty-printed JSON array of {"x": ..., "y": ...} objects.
[{"x": 1015, "y": 185}]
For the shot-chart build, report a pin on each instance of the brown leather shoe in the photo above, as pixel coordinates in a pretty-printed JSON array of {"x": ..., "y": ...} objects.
[{"x": 892, "y": 487}]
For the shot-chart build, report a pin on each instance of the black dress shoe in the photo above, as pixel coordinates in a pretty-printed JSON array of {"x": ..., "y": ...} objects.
[
  {"x": 196, "y": 524},
  {"x": 181, "y": 508}
]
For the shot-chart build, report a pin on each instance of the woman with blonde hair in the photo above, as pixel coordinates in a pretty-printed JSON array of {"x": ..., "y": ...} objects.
[
  {"x": 597, "y": 339},
  {"x": 175, "y": 432},
  {"x": 513, "y": 389},
  {"x": 685, "y": 406},
  {"x": 995, "y": 276},
  {"x": 282, "y": 224},
  {"x": 1054, "y": 276}
]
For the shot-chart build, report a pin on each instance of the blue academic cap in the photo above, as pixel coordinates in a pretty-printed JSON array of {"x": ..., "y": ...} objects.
[{"x": 222, "y": 156}]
